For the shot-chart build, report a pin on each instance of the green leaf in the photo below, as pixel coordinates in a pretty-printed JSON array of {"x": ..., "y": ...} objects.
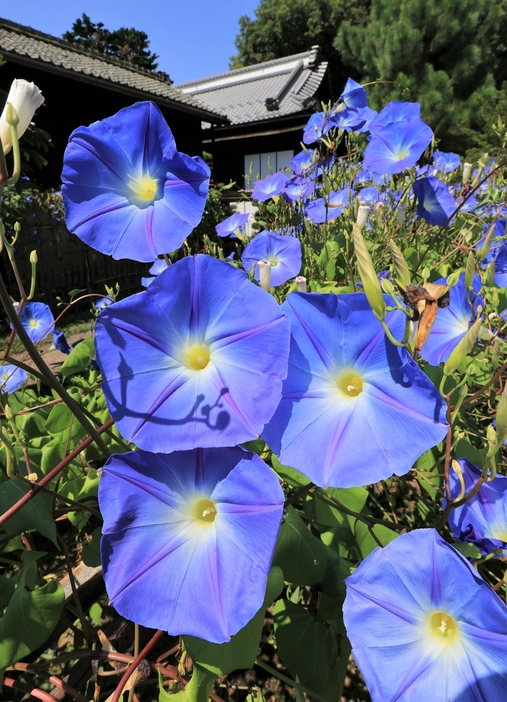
[
  {"x": 79, "y": 489},
  {"x": 365, "y": 540},
  {"x": 428, "y": 474},
  {"x": 309, "y": 650},
  {"x": 289, "y": 475},
  {"x": 467, "y": 550},
  {"x": 302, "y": 557},
  {"x": 197, "y": 690},
  {"x": 91, "y": 550},
  {"x": 79, "y": 358},
  {"x": 241, "y": 650},
  {"x": 29, "y": 620},
  {"x": 323, "y": 513},
  {"x": 36, "y": 514},
  {"x": 62, "y": 425}
]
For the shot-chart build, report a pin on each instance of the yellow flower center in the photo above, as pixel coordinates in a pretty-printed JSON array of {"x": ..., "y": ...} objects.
[
  {"x": 498, "y": 532},
  {"x": 401, "y": 154},
  {"x": 33, "y": 323},
  {"x": 443, "y": 627},
  {"x": 197, "y": 357},
  {"x": 274, "y": 261},
  {"x": 204, "y": 511},
  {"x": 350, "y": 384},
  {"x": 145, "y": 188}
]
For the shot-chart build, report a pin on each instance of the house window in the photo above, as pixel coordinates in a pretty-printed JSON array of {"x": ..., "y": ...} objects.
[{"x": 259, "y": 166}]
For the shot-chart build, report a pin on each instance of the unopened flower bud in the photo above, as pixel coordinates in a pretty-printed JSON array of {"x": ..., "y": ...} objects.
[
  {"x": 401, "y": 214},
  {"x": 301, "y": 283},
  {"x": 467, "y": 172},
  {"x": 33, "y": 257},
  {"x": 362, "y": 216},
  {"x": 25, "y": 98},
  {"x": 265, "y": 274},
  {"x": 368, "y": 276}
]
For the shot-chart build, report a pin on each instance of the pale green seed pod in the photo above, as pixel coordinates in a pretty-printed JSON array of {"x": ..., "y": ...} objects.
[{"x": 368, "y": 276}]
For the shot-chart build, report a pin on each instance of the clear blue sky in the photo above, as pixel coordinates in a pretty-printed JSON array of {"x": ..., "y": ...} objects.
[{"x": 193, "y": 38}]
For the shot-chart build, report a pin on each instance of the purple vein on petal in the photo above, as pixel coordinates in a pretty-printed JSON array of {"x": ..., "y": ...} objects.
[
  {"x": 162, "y": 553},
  {"x": 173, "y": 386},
  {"x": 119, "y": 205},
  {"x": 138, "y": 334},
  {"x": 100, "y": 156},
  {"x": 239, "y": 336}
]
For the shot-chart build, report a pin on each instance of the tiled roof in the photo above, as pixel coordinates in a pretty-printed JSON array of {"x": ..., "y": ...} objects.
[
  {"x": 272, "y": 89},
  {"x": 59, "y": 56}
]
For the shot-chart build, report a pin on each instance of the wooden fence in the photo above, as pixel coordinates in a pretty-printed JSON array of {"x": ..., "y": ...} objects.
[{"x": 64, "y": 262}]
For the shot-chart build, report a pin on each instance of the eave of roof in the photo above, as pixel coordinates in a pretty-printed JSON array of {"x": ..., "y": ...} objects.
[
  {"x": 28, "y": 46},
  {"x": 265, "y": 91}
]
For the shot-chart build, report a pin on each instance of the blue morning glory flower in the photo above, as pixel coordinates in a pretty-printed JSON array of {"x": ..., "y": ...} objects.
[
  {"x": 11, "y": 378},
  {"x": 483, "y": 519},
  {"x": 155, "y": 269},
  {"x": 318, "y": 126},
  {"x": 60, "y": 342},
  {"x": 349, "y": 120},
  {"x": 370, "y": 196},
  {"x": 233, "y": 226},
  {"x": 269, "y": 187},
  {"x": 127, "y": 191},
  {"x": 196, "y": 360},
  {"x": 446, "y": 161},
  {"x": 158, "y": 267},
  {"x": 435, "y": 203},
  {"x": 451, "y": 323},
  {"x": 355, "y": 409},
  {"x": 298, "y": 188},
  {"x": 37, "y": 320},
  {"x": 397, "y": 146},
  {"x": 282, "y": 252},
  {"x": 320, "y": 211},
  {"x": 188, "y": 538},
  {"x": 424, "y": 625},
  {"x": 304, "y": 162},
  {"x": 395, "y": 112},
  {"x": 354, "y": 95}
]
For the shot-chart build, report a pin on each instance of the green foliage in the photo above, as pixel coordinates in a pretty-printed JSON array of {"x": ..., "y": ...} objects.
[
  {"x": 285, "y": 27},
  {"x": 436, "y": 53},
  {"x": 128, "y": 44},
  {"x": 28, "y": 621},
  {"x": 197, "y": 690}
]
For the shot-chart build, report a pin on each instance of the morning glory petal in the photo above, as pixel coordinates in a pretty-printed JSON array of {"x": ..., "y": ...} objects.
[
  {"x": 350, "y": 395},
  {"x": 127, "y": 191},
  {"x": 282, "y": 251},
  {"x": 435, "y": 629},
  {"x": 197, "y": 359},
  {"x": 177, "y": 531}
]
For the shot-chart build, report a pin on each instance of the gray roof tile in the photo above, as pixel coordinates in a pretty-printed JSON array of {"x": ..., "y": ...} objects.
[
  {"x": 289, "y": 84},
  {"x": 18, "y": 40}
]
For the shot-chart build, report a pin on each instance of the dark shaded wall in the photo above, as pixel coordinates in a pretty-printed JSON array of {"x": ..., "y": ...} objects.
[
  {"x": 229, "y": 145},
  {"x": 71, "y": 103}
]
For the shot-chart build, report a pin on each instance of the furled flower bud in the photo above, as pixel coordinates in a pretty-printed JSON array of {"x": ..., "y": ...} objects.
[
  {"x": 25, "y": 98},
  {"x": 362, "y": 216},
  {"x": 301, "y": 283},
  {"x": 265, "y": 274},
  {"x": 467, "y": 172}
]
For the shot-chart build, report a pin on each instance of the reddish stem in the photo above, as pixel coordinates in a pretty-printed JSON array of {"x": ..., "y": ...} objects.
[
  {"x": 36, "y": 487},
  {"x": 137, "y": 660},
  {"x": 33, "y": 691}
]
